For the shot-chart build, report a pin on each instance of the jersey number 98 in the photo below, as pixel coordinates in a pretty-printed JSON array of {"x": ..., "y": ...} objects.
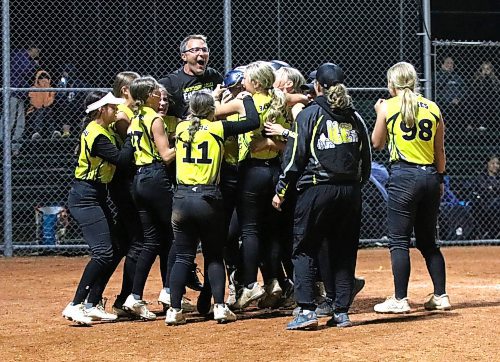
[{"x": 424, "y": 130}]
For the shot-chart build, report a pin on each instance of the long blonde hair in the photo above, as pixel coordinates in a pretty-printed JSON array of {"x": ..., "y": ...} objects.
[
  {"x": 263, "y": 74},
  {"x": 292, "y": 75},
  {"x": 201, "y": 105},
  {"x": 402, "y": 76}
]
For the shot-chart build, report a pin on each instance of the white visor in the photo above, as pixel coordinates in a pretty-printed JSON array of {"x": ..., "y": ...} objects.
[{"x": 107, "y": 99}]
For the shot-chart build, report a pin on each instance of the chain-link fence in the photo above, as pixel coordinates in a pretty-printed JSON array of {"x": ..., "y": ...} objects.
[
  {"x": 467, "y": 88},
  {"x": 83, "y": 45}
]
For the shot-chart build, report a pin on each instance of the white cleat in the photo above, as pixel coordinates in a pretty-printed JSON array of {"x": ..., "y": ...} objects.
[
  {"x": 174, "y": 317},
  {"x": 437, "y": 302},
  {"x": 273, "y": 295},
  {"x": 76, "y": 313},
  {"x": 138, "y": 308},
  {"x": 393, "y": 305},
  {"x": 98, "y": 313},
  {"x": 222, "y": 314},
  {"x": 249, "y": 295},
  {"x": 164, "y": 298}
]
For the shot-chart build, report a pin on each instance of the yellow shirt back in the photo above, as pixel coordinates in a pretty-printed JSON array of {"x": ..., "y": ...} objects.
[
  {"x": 145, "y": 151},
  {"x": 262, "y": 104},
  {"x": 198, "y": 162},
  {"x": 90, "y": 167},
  {"x": 231, "y": 147},
  {"x": 416, "y": 144}
]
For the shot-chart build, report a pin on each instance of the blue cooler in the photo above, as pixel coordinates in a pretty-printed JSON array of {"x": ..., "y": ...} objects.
[{"x": 49, "y": 223}]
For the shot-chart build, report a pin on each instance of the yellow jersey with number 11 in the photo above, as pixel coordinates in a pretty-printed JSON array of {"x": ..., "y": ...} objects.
[{"x": 198, "y": 162}]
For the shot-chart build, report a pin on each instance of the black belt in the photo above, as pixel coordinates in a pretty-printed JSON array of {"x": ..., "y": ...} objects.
[
  {"x": 261, "y": 162},
  {"x": 407, "y": 164},
  {"x": 151, "y": 166},
  {"x": 197, "y": 188}
]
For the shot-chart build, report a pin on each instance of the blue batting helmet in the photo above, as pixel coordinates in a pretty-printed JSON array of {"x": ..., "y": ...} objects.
[{"x": 232, "y": 78}]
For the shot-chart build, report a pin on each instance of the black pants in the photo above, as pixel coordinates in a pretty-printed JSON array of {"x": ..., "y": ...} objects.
[
  {"x": 198, "y": 215},
  {"x": 256, "y": 216},
  {"x": 87, "y": 204},
  {"x": 229, "y": 190},
  {"x": 326, "y": 214},
  {"x": 153, "y": 198},
  {"x": 413, "y": 205},
  {"x": 127, "y": 231}
]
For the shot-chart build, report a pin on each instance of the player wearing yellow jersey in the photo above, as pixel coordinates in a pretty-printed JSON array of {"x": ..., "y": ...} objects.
[
  {"x": 127, "y": 230},
  {"x": 258, "y": 172},
  {"x": 152, "y": 188},
  {"x": 87, "y": 201},
  {"x": 414, "y": 130},
  {"x": 198, "y": 211}
]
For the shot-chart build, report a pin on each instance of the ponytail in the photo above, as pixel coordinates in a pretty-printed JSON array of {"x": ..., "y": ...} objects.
[
  {"x": 402, "y": 76},
  {"x": 277, "y": 107},
  {"x": 338, "y": 97},
  {"x": 201, "y": 105},
  {"x": 193, "y": 128},
  {"x": 409, "y": 107}
]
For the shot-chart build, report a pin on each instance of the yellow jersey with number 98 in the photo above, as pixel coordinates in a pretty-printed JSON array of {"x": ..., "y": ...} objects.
[
  {"x": 415, "y": 144},
  {"x": 198, "y": 162}
]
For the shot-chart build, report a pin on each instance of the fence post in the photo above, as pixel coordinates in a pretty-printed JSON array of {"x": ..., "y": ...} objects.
[
  {"x": 426, "y": 8},
  {"x": 227, "y": 36},
  {"x": 7, "y": 158}
]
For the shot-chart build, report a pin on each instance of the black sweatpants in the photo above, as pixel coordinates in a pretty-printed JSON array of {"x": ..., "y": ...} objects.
[
  {"x": 87, "y": 202},
  {"x": 414, "y": 205},
  {"x": 153, "y": 198},
  {"x": 326, "y": 214},
  {"x": 198, "y": 215}
]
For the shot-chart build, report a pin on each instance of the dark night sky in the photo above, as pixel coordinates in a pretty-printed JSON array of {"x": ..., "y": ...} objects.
[{"x": 465, "y": 19}]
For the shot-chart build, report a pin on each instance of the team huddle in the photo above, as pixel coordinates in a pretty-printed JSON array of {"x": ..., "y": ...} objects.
[{"x": 264, "y": 172}]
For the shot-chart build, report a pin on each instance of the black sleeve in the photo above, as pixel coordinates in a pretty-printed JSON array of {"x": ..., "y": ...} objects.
[
  {"x": 252, "y": 120},
  {"x": 296, "y": 154},
  {"x": 104, "y": 149},
  {"x": 366, "y": 153}
]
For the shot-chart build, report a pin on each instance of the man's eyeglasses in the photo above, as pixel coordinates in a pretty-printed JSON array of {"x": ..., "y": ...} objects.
[{"x": 197, "y": 50}]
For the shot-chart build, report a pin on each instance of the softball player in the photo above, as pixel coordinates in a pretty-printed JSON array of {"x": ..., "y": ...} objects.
[
  {"x": 258, "y": 172},
  {"x": 152, "y": 189},
  {"x": 198, "y": 210},
  {"x": 97, "y": 162},
  {"x": 324, "y": 160},
  {"x": 414, "y": 129}
]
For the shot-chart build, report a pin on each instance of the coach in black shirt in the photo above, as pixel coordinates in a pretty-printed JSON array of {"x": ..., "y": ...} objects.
[{"x": 193, "y": 76}]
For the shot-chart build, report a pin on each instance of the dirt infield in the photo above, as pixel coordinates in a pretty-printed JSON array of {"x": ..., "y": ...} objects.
[{"x": 34, "y": 291}]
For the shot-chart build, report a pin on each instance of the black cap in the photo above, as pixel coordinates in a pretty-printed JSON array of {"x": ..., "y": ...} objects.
[
  {"x": 312, "y": 75},
  {"x": 308, "y": 87},
  {"x": 329, "y": 74}
]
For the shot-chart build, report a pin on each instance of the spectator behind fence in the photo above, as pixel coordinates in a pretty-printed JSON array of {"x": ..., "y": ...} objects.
[
  {"x": 449, "y": 93},
  {"x": 23, "y": 65},
  {"x": 454, "y": 215},
  {"x": 68, "y": 107},
  {"x": 484, "y": 96},
  {"x": 486, "y": 208},
  {"x": 40, "y": 110}
]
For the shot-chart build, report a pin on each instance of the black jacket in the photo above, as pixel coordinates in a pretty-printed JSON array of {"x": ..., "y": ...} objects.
[{"x": 327, "y": 148}]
